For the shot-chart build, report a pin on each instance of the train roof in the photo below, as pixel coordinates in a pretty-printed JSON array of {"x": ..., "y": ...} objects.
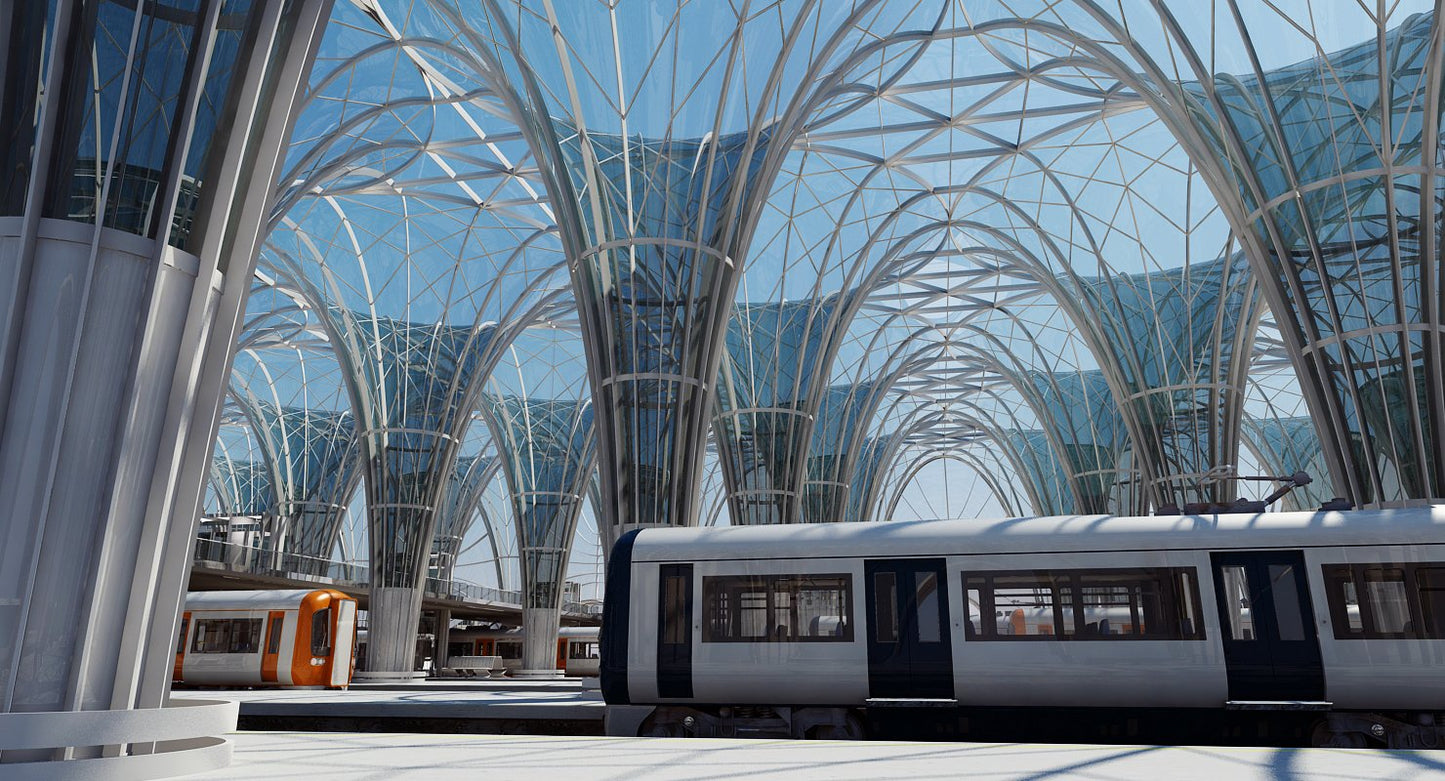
[
  {"x": 258, "y": 599},
  {"x": 1051, "y": 534}
]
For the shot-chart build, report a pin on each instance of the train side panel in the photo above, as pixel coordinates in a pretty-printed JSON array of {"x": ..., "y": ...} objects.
[
  {"x": 1096, "y": 673},
  {"x": 1377, "y": 672},
  {"x": 832, "y": 672},
  {"x": 642, "y": 633},
  {"x": 217, "y": 653}
]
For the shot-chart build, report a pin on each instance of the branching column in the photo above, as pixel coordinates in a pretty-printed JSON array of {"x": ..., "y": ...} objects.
[{"x": 548, "y": 450}]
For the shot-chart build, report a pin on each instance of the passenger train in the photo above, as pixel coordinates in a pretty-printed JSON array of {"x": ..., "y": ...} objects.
[
  {"x": 298, "y": 637},
  {"x": 1299, "y": 628},
  {"x": 577, "y": 652}
]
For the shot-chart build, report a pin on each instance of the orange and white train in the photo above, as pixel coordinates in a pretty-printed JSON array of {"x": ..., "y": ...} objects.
[
  {"x": 295, "y": 637},
  {"x": 577, "y": 648}
]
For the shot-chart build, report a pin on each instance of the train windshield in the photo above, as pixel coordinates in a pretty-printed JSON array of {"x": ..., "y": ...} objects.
[{"x": 321, "y": 633}]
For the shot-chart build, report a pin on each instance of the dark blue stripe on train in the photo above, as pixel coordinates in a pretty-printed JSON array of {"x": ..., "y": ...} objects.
[{"x": 613, "y": 638}]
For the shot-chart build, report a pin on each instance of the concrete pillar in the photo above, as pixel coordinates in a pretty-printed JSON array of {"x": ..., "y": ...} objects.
[
  {"x": 539, "y": 644},
  {"x": 393, "y": 616},
  {"x": 124, "y": 263}
]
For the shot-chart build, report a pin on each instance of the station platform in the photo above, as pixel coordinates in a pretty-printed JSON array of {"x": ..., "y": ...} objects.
[
  {"x": 326, "y": 756},
  {"x": 488, "y": 706}
]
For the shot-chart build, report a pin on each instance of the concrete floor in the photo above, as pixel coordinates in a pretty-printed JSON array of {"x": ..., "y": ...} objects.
[{"x": 325, "y": 756}]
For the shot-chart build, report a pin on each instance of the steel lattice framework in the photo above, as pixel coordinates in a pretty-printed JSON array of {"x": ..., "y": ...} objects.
[{"x": 1097, "y": 257}]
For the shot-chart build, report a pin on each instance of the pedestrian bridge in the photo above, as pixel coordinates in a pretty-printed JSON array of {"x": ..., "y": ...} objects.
[{"x": 225, "y": 566}]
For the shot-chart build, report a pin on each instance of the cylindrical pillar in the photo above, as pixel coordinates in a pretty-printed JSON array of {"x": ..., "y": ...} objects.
[{"x": 139, "y": 143}]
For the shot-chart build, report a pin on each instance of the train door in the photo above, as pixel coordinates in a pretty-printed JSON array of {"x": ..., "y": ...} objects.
[
  {"x": 271, "y": 652},
  {"x": 1271, "y": 650},
  {"x": 674, "y": 631},
  {"x": 910, "y": 653}
]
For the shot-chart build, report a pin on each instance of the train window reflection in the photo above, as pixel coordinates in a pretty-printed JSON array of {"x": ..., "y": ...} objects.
[
  {"x": 778, "y": 608},
  {"x": 1159, "y": 603},
  {"x": 321, "y": 632},
  {"x": 1385, "y": 593},
  {"x": 1386, "y": 600},
  {"x": 926, "y": 594},
  {"x": 227, "y": 636},
  {"x": 1431, "y": 581},
  {"x": 1236, "y": 589},
  {"x": 1285, "y": 593},
  {"x": 674, "y": 597},
  {"x": 885, "y": 605}
]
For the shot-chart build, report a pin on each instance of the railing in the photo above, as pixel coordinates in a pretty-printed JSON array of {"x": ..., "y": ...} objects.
[
  {"x": 255, "y": 561},
  {"x": 462, "y": 591},
  {"x": 219, "y": 554}
]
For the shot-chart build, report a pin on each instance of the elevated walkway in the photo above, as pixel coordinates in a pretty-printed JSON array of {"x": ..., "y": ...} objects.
[{"x": 224, "y": 566}]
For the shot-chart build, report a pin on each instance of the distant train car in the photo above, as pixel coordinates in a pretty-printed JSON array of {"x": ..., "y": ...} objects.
[
  {"x": 577, "y": 648},
  {"x": 1327, "y": 628},
  {"x": 293, "y": 637}
]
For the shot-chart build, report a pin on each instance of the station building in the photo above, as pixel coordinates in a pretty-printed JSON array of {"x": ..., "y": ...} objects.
[{"x": 433, "y": 300}]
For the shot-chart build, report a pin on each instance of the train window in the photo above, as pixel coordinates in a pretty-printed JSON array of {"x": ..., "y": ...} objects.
[
  {"x": 1159, "y": 603},
  {"x": 973, "y": 602},
  {"x": 1284, "y": 591},
  {"x": 227, "y": 636},
  {"x": 1236, "y": 589},
  {"x": 273, "y": 636},
  {"x": 509, "y": 649},
  {"x": 926, "y": 598},
  {"x": 674, "y": 598},
  {"x": 321, "y": 632},
  {"x": 582, "y": 650},
  {"x": 1386, "y": 600},
  {"x": 885, "y": 597},
  {"x": 1023, "y": 604},
  {"x": 1385, "y": 594},
  {"x": 181, "y": 640},
  {"x": 1431, "y": 582},
  {"x": 777, "y": 608}
]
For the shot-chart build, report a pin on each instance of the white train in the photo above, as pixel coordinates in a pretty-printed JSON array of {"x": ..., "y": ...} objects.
[
  {"x": 1303, "y": 627},
  {"x": 577, "y": 651},
  {"x": 297, "y": 637}
]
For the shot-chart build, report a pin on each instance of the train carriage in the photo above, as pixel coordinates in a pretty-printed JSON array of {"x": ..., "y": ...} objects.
[
  {"x": 577, "y": 648},
  {"x": 296, "y": 637},
  {"x": 1236, "y": 619}
]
